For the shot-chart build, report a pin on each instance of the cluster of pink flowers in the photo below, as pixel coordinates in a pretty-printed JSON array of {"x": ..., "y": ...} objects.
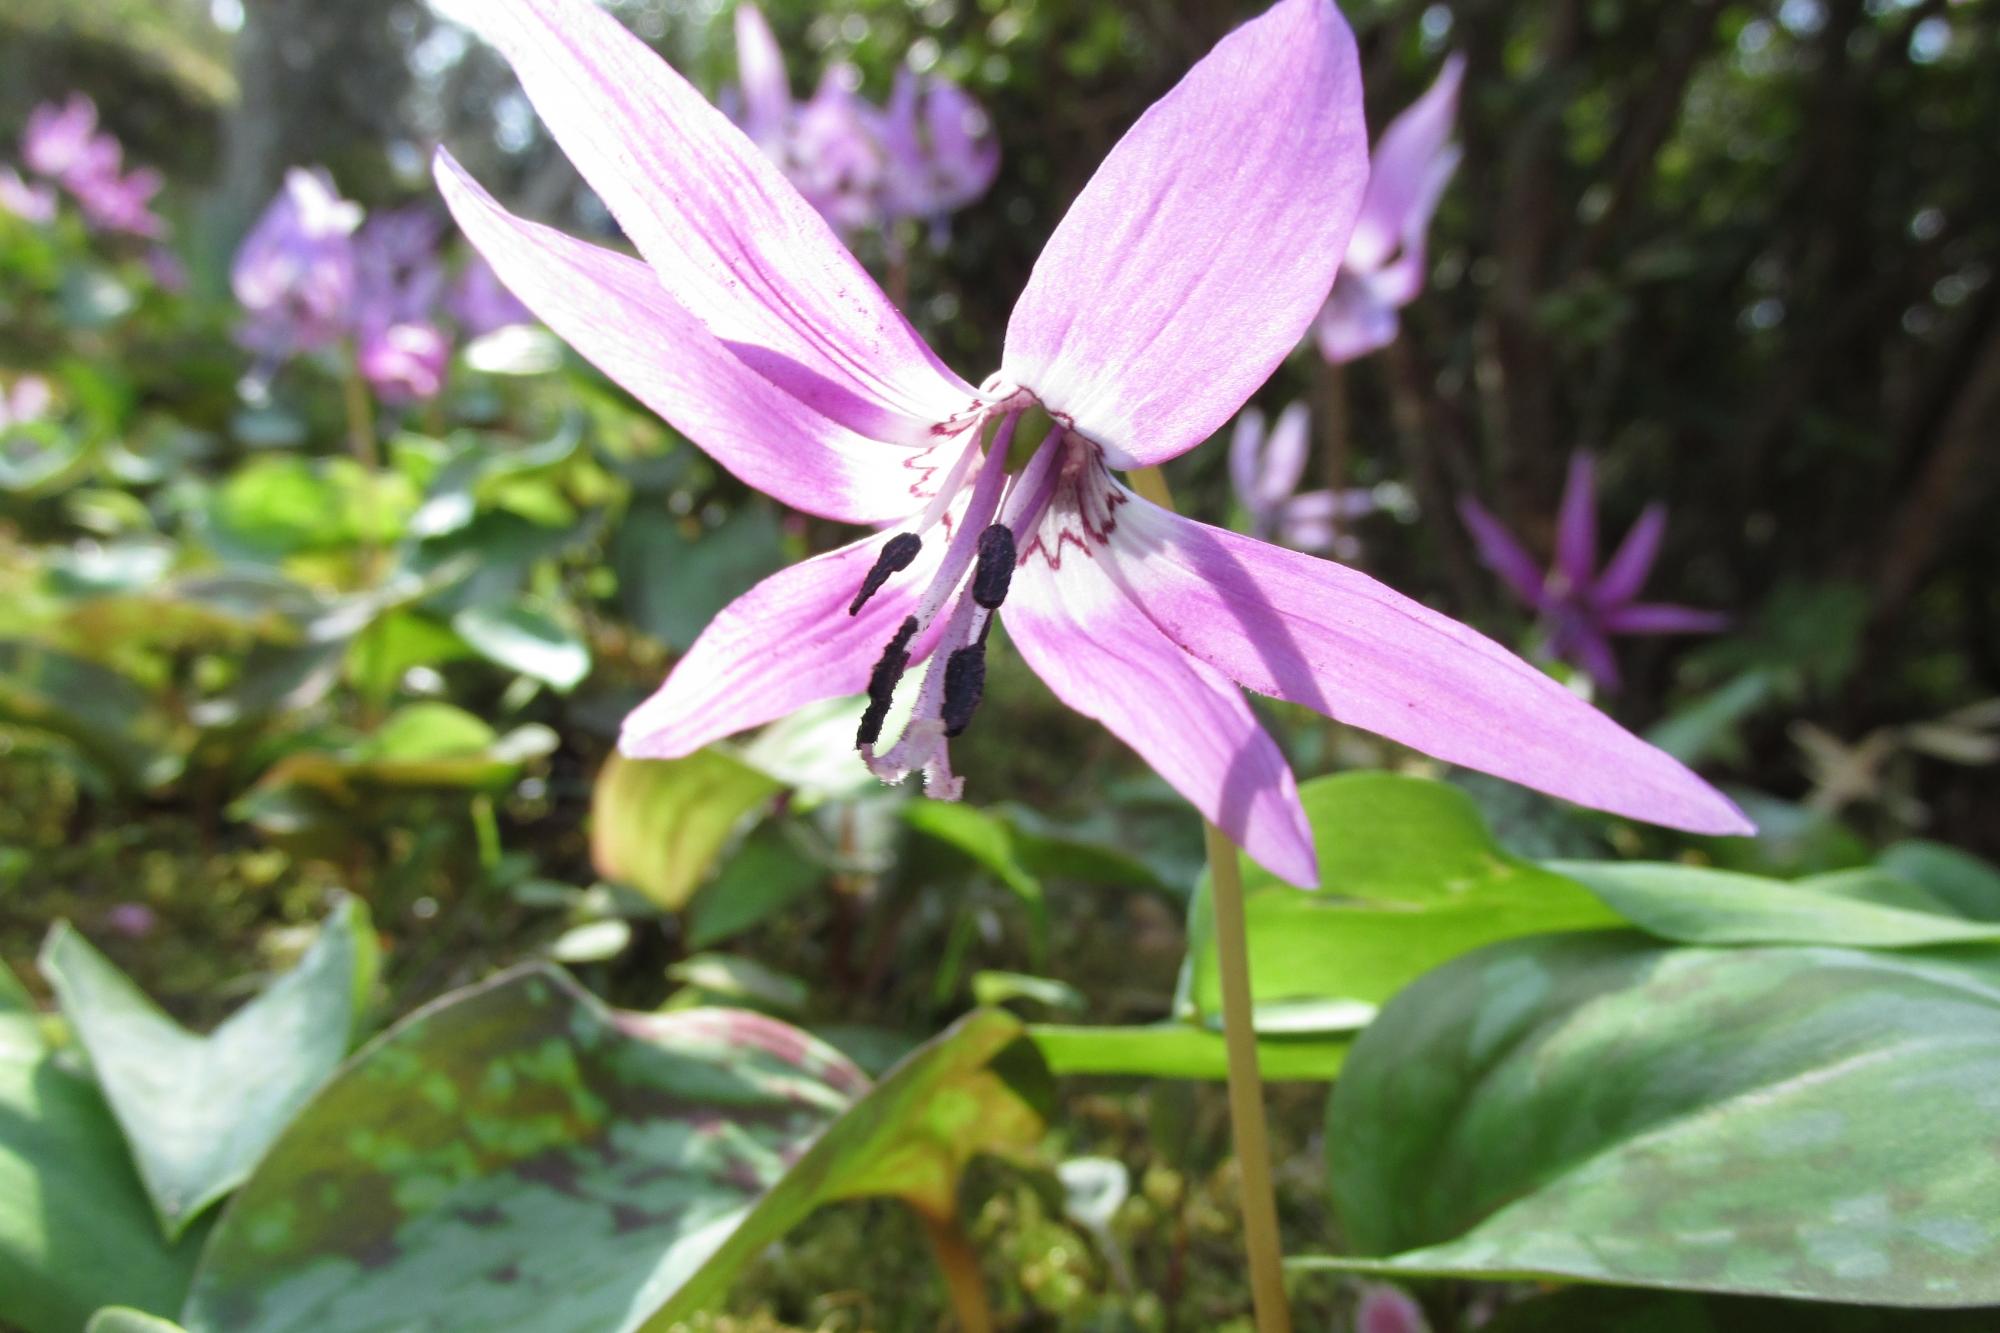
[
  {"x": 312, "y": 275},
  {"x": 930, "y": 152},
  {"x": 63, "y": 146}
]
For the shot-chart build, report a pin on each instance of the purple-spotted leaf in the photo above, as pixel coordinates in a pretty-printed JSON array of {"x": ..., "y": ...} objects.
[
  {"x": 519, "y": 1156},
  {"x": 1778, "y": 1121}
]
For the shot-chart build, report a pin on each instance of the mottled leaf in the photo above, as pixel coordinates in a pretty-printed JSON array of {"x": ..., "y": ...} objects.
[
  {"x": 1804, "y": 1122},
  {"x": 1412, "y": 878},
  {"x": 200, "y": 1110},
  {"x": 657, "y": 825},
  {"x": 76, "y": 1229},
  {"x": 1694, "y": 905},
  {"x": 1625, "y": 1310},
  {"x": 517, "y": 1156}
]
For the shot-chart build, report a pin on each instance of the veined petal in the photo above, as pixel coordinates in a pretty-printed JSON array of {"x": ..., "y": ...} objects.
[
  {"x": 1503, "y": 555},
  {"x": 1626, "y": 572},
  {"x": 1101, "y": 655},
  {"x": 1330, "y": 638},
  {"x": 786, "y": 643},
  {"x": 1657, "y": 618},
  {"x": 1197, "y": 256},
  {"x": 1576, "y": 523},
  {"x": 760, "y": 71},
  {"x": 1404, "y": 179},
  {"x": 615, "y": 312},
  {"x": 737, "y": 245}
]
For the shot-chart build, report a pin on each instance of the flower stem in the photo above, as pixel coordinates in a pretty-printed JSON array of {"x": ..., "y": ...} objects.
[
  {"x": 360, "y": 413},
  {"x": 959, "y": 1265},
  {"x": 1239, "y": 1035}
]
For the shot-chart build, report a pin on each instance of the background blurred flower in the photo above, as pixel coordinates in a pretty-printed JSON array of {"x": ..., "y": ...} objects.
[
  {"x": 940, "y": 150},
  {"x": 1265, "y": 468},
  {"x": 1384, "y": 267},
  {"x": 294, "y": 274},
  {"x": 1387, "y": 1309},
  {"x": 28, "y": 399},
  {"x": 117, "y": 201},
  {"x": 404, "y": 363},
  {"x": 59, "y": 137},
  {"x": 29, "y": 201},
  {"x": 481, "y": 303},
  {"x": 1581, "y": 606},
  {"x": 398, "y": 273}
]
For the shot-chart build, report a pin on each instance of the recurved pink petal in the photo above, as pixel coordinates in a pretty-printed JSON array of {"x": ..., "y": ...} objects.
[
  {"x": 1101, "y": 655},
  {"x": 1576, "y": 523},
  {"x": 1503, "y": 555},
  {"x": 786, "y": 643},
  {"x": 1197, "y": 256},
  {"x": 1404, "y": 179},
  {"x": 760, "y": 70},
  {"x": 614, "y": 311},
  {"x": 1626, "y": 572},
  {"x": 1656, "y": 618},
  {"x": 732, "y": 239},
  {"x": 1330, "y": 638}
]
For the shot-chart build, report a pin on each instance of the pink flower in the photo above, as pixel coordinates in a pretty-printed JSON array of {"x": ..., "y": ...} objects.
[
  {"x": 31, "y": 203},
  {"x": 404, "y": 363},
  {"x": 1183, "y": 274},
  {"x": 1385, "y": 265},
  {"x": 1265, "y": 469},
  {"x": 29, "y": 399},
  {"x": 59, "y": 139},
  {"x": 1386, "y": 1309},
  {"x": 294, "y": 274},
  {"x": 1581, "y": 605}
]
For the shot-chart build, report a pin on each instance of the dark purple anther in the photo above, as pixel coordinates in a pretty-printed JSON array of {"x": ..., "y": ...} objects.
[
  {"x": 897, "y": 553},
  {"x": 882, "y": 681},
  {"x": 964, "y": 685},
  {"x": 995, "y": 569}
]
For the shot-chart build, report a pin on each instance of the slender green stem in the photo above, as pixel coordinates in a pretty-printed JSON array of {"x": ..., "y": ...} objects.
[
  {"x": 958, "y": 1263},
  {"x": 1239, "y": 1036},
  {"x": 360, "y": 413}
]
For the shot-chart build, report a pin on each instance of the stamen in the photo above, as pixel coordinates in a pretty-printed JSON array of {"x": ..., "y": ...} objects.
[
  {"x": 995, "y": 570},
  {"x": 897, "y": 554},
  {"x": 964, "y": 686},
  {"x": 882, "y": 682}
]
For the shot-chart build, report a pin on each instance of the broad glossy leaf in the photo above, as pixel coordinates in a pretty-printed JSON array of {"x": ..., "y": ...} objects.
[
  {"x": 1804, "y": 1122},
  {"x": 1970, "y": 885},
  {"x": 523, "y": 639},
  {"x": 1180, "y": 1051},
  {"x": 1695, "y": 905},
  {"x": 122, "y": 1319},
  {"x": 1412, "y": 878},
  {"x": 76, "y": 1230},
  {"x": 984, "y": 837},
  {"x": 517, "y": 1156},
  {"x": 200, "y": 1110},
  {"x": 657, "y": 825},
  {"x": 764, "y": 877}
]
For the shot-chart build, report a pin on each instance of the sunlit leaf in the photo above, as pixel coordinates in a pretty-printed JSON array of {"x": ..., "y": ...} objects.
[
  {"x": 199, "y": 1110},
  {"x": 523, "y": 639},
  {"x": 657, "y": 825},
  {"x": 1412, "y": 878},
  {"x": 1182, "y": 1050},
  {"x": 1807, "y": 1122}
]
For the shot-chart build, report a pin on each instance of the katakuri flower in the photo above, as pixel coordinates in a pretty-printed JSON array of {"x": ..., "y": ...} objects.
[
  {"x": 1581, "y": 606},
  {"x": 294, "y": 274},
  {"x": 1386, "y": 263},
  {"x": 1182, "y": 275},
  {"x": 1265, "y": 468},
  {"x": 940, "y": 152},
  {"x": 827, "y": 146},
  {"x": 60, "y": 137},
  {"x": 404, "y": 362},
  {"x": 116, "y": 200}
]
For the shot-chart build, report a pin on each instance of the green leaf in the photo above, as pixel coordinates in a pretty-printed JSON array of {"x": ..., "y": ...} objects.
[
  {"x": 1968, "y": 884},
  {"x": 1625, "y": 1310},
  {"x": 199, "y": 1111},
  {"x": 658, "y": 825},
  {"x": 992, "y": 989},
  {"x": 1693, "y": 905},
  {"x": 812, "y": 752},
  {"x": 981, "y": 836},
  {"x": 765, "y": 876},
  {"x": 76, "y": 1230},
  {"x": 525, "y": 640},
  {"x": 1412, "y": 878},
  {"x": 517, "y": 1156},
  {"x": 732, "y": 979},
  {"x": 1805, "y": 1122},
  {"x": 1181, "y": 1051},
  {"x": 104, "y": 714},
  {"x": 673, "y": 576}
]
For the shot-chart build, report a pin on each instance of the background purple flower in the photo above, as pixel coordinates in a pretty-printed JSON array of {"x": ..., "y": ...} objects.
[
  {"x": 29, "y": 201},
  {"x": 1384, "y": 267},
  {"x": 940, "y": 150},
  {"x": 295, "y": 274},
  {"x": 1265, "y": 468},
  {"x": 63, "y": 143},
  {"x": 1581, "y": 606},
  {"x": 59, "y": 136},
  {"x": 404, "y": 363},
  {"x": 481, "y": 303},
  {"x": 27, "y": 399}
]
